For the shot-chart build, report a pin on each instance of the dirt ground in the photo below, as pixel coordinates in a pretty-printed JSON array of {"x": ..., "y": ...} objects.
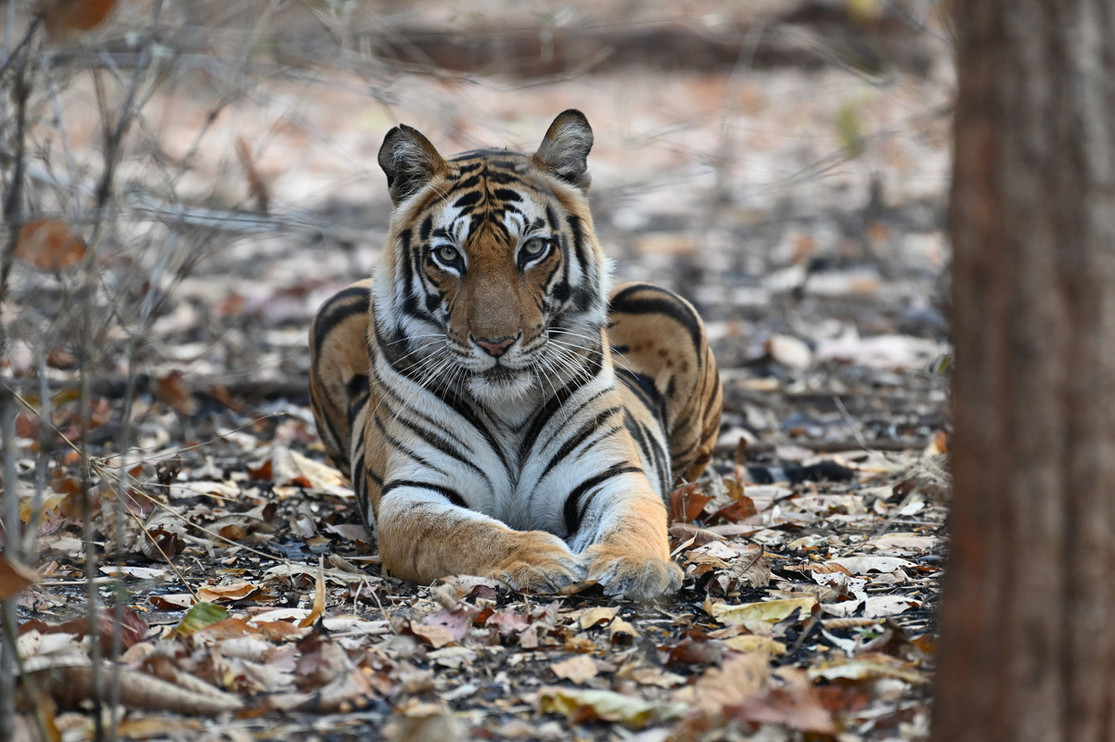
[{"x": 789, "y": 178}]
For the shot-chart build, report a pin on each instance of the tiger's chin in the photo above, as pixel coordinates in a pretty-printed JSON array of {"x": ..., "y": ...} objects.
[{"x": 501, "y": 385}]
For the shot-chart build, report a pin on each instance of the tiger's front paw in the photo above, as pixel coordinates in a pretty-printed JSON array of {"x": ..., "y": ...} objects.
[
  {"x": 634, "y": 576},
  {"x": 539, "y": 562}
]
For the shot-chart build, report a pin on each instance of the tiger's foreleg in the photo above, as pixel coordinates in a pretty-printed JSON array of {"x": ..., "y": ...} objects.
[
  {"x": 423, "y": 537},
  {"x": 628, "y": 547}
]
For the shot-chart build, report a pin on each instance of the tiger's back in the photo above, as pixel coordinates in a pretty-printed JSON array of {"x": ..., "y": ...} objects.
[{"x": 500, "y": 411}]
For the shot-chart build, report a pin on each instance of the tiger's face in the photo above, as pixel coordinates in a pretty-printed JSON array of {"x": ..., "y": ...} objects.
[{"x": 493, "y": 279}]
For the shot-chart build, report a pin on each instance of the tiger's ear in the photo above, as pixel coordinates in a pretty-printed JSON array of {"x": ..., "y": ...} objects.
[
  {"x": 409, "y": 160},
  {"x": 564, "y": 149}
]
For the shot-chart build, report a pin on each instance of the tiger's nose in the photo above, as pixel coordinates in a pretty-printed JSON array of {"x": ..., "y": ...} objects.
[{"x": 495, "y": 346}]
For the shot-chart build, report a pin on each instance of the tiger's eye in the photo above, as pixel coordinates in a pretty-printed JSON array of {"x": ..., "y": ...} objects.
[
  {"x": 535, "y": 246},
  {"x": 446, "y": 254}
]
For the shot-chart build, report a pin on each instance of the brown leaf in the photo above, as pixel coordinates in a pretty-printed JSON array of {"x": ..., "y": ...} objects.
[
  {"x": 576, "y": 669},
  {"x": 256, "y": 185},
  {"x": 508, "y": 622},
  {"x": 48, "y": 244},
  {"x": 737, "y": 511},
  {"x": 687, "y": 502},
  {"x": 319, "y": 597},
  {"x": 65, "y": 17},
  {"x": 742, "y": 676},
  {"x": 173, "y": 393},
  {"x": 15, "y": 578},
  {"x": 226, "y": 593},
  {"x": 694, "y": 652},
  {"x": 797, "y": 707}
]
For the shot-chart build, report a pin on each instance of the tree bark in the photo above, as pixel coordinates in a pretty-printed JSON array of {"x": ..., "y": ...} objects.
[{"x": 1027, "y": 648}]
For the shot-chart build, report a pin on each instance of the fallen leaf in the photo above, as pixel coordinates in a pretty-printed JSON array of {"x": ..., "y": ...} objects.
[
  {"x": 581, "y": 705},
  {"x": 868, "y": 667},
  {"x": 595, "y": 616},
  {"x": 859, "y": 565},
  {"x": 48, "y": 244},
  {"x": 230, "y": 592},
  {"x": 198, "y": 617},
  {"x": 319, "y": 596},
  {"x": 740, "y": 676},
  {"x": 737, "y": 511},
  {"x": 753, "y": 643},
  {"x": 172, "y": 391},
  {"x": 768, "y": 610},
  {"x": 63, "y": 18},
  {"x": 795, "y": 707},
  {"x": 687, "y": 502},
  {"x": 290, "y": 467},
  {"x": 576, "y": 669},
  {"x": 875, "y": 606},
  {"x": 15, "y": 578}
]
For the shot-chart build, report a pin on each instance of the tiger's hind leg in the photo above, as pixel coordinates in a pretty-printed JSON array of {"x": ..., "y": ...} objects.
[
  {"x": 339, "y": 368},
  {"x": 660, "y": 341}
]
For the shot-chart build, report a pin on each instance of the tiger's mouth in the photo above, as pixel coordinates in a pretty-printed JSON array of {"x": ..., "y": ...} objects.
[{"x": 500, "y": 374}]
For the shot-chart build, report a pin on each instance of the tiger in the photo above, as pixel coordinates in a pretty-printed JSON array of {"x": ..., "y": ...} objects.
[{"x": 501, "y": 409}]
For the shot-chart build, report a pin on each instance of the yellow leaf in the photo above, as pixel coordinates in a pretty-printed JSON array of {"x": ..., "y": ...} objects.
[
  {"x": 770, "y": 610},
  {"x": 598, "y": 615},
  {"x": 752, "y": 643},
  {"x": 867, "y": 667},
  {"x": 605, "y": 705}
]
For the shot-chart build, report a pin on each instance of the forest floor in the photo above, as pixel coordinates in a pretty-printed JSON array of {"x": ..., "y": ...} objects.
[{"x": 799, "y": 203}]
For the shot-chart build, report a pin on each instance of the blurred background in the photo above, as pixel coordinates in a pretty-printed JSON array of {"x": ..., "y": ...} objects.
[{"x": 778, "y": 162}]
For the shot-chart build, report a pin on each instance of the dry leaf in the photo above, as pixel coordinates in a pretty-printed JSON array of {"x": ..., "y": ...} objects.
[
  {"x": 256, "y": 184},
  {"x": 795, "y": 707},
  {"x": 226, "y": 593},
  {"x": 292, "y": 468},
  {"x": 859, "y": 565},
  {"x": 319, "y": 596},
  {"x": 15, "y": 578},
  {"x": 768, "y": 610},
  {"x": 48, "y": 244},
  {"x": 868, "y": 667},
  {"x": 576, "y": 669},
  {"x": 171, "y": 391},
  {"x": 605, "y": 705},
  {"x": 687, "y": 502},
  {"x": 753, "y": 643},
  {"x": 741, "y": 676},
  {"x": 63, "y": 18}
]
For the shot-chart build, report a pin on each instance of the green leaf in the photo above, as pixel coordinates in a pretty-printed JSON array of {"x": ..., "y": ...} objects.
[{"x": 199, "y": 617}]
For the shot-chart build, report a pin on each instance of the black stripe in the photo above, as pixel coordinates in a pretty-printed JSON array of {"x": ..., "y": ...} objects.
[
  {"x": 665, "y": 303},
  {"x": 398, "y": 445},
  {"x": 442, "y": 444},
  {"x": 453, "y": 400},
  {"x": 572, "y": 512},
  {"x": 642, "y": 386},
  {"x": 652, "y": 452},
  {"x": 468, "y": 199},
  {"x": 448, "y": 493},
  {"x": 554, "y": 403},
  {"x": 334, "y": 313},
  {"x": 358, "y": 391},
  {"x": 578, "y": 438}
]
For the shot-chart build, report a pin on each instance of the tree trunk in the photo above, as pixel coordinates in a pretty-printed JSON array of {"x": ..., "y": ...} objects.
[{"x": 1027, "y": 647}]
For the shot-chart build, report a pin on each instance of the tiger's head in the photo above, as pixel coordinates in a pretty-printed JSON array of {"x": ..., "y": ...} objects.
[{"x": 492, "y": 281}]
